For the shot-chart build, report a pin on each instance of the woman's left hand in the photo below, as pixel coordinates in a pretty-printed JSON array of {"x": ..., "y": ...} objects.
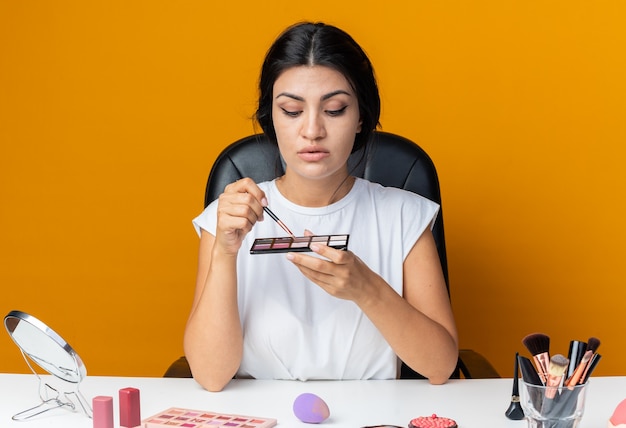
[{"x": 340, "y": 273}]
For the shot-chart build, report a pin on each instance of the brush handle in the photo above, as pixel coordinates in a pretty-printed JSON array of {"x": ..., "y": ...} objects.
[
  {"x": 576, "y": 351},
  {"x": 580, "y": 369},
  {"x": 278, "y": 221},
  {"x": 516, "y": 376},
  {"x": 529, "y": 374},
  {"x": 515, "y": 411},
  {"x": 590, "y": 367},
  {"x": 542, "y": 361},
  {"x": 552, "y": 382},
  {"x": 530, "y": 377}
]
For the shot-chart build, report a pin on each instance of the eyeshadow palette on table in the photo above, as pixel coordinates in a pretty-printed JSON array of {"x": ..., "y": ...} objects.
[{"x": 187, "y": 418}]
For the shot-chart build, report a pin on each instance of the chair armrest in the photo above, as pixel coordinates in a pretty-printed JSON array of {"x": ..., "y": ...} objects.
[
  {"x": 179, "y": 368},
  {"x": 474, "y": 366}
]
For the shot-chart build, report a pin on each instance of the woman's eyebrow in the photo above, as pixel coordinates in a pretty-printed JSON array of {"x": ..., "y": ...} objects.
[
  {"x": 324, "y": 97},
  {"x": 337, "y": 92},
  {"x": 288, "y": 95}
]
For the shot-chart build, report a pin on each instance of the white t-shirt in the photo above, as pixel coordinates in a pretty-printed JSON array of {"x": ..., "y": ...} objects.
[{"x": 292, "y": 328}]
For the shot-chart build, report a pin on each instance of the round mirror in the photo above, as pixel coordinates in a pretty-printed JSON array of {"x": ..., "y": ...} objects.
[
  {"x": 45, "y": 347},
  {"x": 48, "y": 350}
]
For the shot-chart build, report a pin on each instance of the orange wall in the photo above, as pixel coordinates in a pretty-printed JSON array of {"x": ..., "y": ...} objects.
[{"x": 111, "y": 113}]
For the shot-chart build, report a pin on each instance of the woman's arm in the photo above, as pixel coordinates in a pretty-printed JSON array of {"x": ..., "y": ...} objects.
[
  {"x": 420, "y": 326},
  {"x": 214, "y": 321}
]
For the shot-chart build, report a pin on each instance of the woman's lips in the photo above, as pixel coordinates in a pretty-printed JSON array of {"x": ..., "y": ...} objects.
[{"x": 313, "y": 155}]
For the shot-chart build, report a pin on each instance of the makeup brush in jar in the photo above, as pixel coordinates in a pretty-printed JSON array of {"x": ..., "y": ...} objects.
[
  {"x": 592, "y": 345},
  {"x": 556, "y": 371},
  {"x": 538, "y": 344},
  {"x": 576, "y": 350}
]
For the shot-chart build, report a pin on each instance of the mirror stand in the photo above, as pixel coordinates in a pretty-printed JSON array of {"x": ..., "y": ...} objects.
[
  {"x": 54, "y": 398},
  {"x": 41, "y": 345}
]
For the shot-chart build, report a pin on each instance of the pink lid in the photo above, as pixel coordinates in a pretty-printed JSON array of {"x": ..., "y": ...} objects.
[
  {"x": 102, "y": 412},
  {"x": 130, "y": 409}
]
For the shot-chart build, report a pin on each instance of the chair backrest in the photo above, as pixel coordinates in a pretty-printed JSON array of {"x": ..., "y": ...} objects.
[{"x": 390, "y": 160}]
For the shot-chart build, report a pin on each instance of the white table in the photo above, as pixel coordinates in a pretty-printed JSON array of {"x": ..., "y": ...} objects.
[{"x": 472, "y": 403}]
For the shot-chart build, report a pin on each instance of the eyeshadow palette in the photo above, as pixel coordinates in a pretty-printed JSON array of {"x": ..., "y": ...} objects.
[
  {"x": 287, "y": 244},
  {"x": 185, "y": 418}
]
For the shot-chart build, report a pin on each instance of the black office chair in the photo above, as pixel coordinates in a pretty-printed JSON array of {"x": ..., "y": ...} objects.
[{"x": 390, "y": 160}]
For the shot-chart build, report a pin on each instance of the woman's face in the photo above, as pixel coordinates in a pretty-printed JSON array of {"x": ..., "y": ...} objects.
[{"x": 316, "y": 117}]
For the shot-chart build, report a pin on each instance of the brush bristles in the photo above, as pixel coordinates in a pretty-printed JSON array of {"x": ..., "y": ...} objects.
[
  {"x": 592, "y": 344},
  {"x": 558, "y": 365},
  {"x": 537, "y": 343}
]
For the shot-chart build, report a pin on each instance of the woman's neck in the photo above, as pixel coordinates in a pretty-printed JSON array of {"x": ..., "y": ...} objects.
[{"x": 314, "y": 193}]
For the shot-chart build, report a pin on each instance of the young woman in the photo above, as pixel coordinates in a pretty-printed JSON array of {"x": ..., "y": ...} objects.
[{"x": 330, "y": 314}]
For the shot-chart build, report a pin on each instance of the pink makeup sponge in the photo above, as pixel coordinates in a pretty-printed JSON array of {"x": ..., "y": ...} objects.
[
  {"x": 310, "y": 408},
  {"x": 619, "y": 416}
]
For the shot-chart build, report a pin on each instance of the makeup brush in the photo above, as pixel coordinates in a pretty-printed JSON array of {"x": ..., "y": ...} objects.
[
  {"x": 279, "y": 221},
  {"x": 530, "y": 377},
  {"x": 556, "y": 370},
  {"x": 529, "y": 374},
  {"x": 575, "y": 354},
  {"x": 592, "y": 345},
  {"x": 569, "y": 397},
  {"x": 515, "y": 411},
  {"x": 590, "y": 367},
  {"x": 538, "y": 344}
]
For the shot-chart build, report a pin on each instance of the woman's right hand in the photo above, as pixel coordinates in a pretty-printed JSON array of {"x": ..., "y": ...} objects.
[{"x": 239, "y": 208}]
